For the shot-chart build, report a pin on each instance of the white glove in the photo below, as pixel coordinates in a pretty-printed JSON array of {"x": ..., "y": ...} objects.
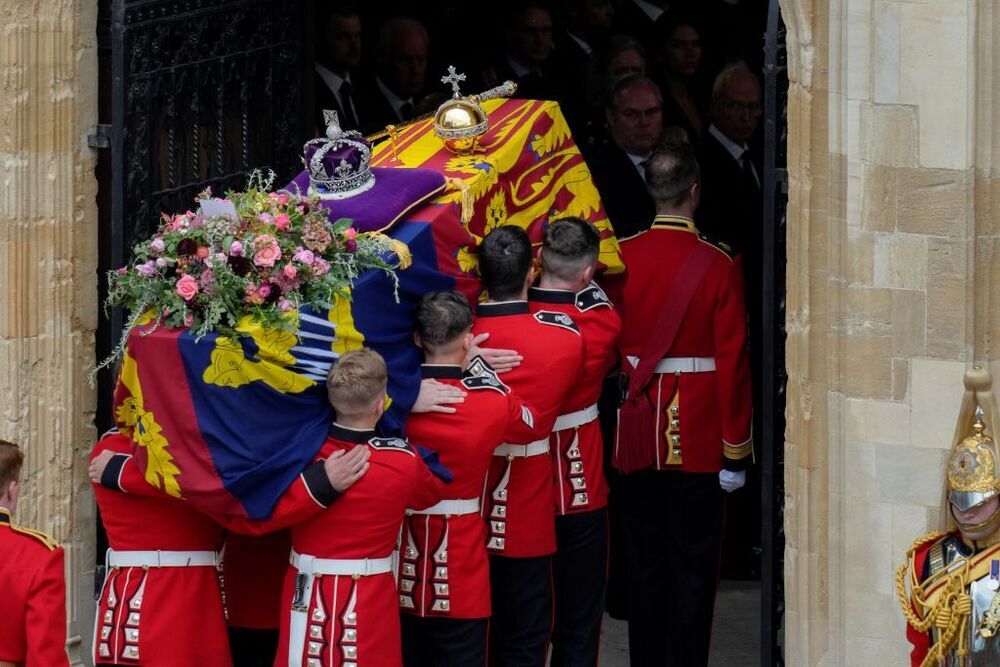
[{"x": 730, "y": 481}]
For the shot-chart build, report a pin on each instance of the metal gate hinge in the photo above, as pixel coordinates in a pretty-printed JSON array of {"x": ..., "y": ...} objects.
[{"x": 100, "y": 137}]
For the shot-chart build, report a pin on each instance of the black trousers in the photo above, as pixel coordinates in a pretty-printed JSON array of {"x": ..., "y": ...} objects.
[
  {"x": 579, "y": 573},
  {"x": 443, "y": 642},
  {"x": 522, "y": 611},
  {"x": 672, "y": 530},
  {"x": 251, "y": 647}
]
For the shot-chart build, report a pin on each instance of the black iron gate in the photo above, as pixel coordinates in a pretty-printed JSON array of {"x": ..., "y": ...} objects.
[
  {"x": 193, "y": 94},
  {"x": 774, "y": 377}
]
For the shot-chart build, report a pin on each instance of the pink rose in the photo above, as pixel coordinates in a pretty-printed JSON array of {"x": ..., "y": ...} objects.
[
  {"x": 290, "y": 271},
  {"x": 147, "y": 269},
  {"x": 265, "y": 218},
  {"x": 162, "y": 262},
  {"x": 281, "y": 222},
  {"x": 264, "y": 291},
  {"x": 351, "y": 233},
  {"x": 236, "y": 249},
  {"x": 187, "y": 287},
  {"x": 320, "y": 267},
  {"x": 157, "y": 246},
  {"x": 283, "y": 198},
  {"x": 284, "y": 305},
  {"x": 267, "y": 250},
  {"x": 122, "y": 271},
  {"x": 301, "y": 208},
  {"x": 305, "y": 256}
]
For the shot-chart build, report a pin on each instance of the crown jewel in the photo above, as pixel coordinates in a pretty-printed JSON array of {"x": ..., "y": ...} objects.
[{"x": 339, "y": 164}]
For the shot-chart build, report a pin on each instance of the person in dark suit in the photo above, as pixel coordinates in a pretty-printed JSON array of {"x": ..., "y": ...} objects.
[
  {"x": 528, "y": 60},
  {"x": 588, "y": 27},
  {"x": 681, "y": 60},
  {"x": 391, "y": 97},
  {"x": 634, "y": 119},
  {"x": 732, "y": 211},
  {"x": 338, "y": 54}
]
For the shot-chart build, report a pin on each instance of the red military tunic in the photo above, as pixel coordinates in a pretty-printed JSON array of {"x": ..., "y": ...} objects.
[
  {"x": 517, "y": 498},
  {"x": 356, "y": 619},
  {"x": 578, "y": 451},
  {"x": 253, "y": 568},
  {"x": 706, "y": 415},
  {"x": 254, "y": 549},
  {"x": 444, "y": 569},
  {"x": 165, "y": 616},
  {"x": 32, "y": 597}
]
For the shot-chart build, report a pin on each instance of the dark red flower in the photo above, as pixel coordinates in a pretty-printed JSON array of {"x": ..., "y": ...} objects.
[
  {"x": 187, "y": 247},
  {"x": 241, "y": 266},
  {"x": 275, "y": 293}
]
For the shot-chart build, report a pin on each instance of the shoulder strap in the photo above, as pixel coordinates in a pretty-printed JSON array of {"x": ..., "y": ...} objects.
[{"x": 669, "y": 323}]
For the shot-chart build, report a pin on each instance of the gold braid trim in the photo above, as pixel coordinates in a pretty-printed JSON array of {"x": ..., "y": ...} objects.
[{"x": 949, "y": 615}]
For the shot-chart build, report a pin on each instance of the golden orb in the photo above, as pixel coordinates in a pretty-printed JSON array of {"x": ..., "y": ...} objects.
[{"x": 459, "y": 123}]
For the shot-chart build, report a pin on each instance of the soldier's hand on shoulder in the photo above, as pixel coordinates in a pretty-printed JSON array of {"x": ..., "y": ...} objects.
[
  {"x": 436, "y": 396},
  {"x": 501, "y": 360},
  {"x": 98, "y": 464},
  {"x": 730, "y": 481},
  {"x": 344, "y": 468}
]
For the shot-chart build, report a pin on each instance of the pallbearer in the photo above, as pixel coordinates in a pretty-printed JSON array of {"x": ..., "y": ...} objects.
[
  {"x": 444, "y": 574},
  {"x": 32, "y": 584},
  {"x": 569, "y": 259},
  {"x": 518, "y": 502}
]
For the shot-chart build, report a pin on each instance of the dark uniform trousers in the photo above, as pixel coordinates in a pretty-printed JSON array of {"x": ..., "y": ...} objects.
[
  {"x": 252, "y": 647},
  {"x": 443, "y": 642},
  {"x": 579, "y": 573},
  {"x": 672, "y": 530},
  {"x": 522, "y": 610}
]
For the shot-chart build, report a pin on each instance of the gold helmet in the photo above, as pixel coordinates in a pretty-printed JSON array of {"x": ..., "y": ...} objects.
[{"x": 972, "y": 469}]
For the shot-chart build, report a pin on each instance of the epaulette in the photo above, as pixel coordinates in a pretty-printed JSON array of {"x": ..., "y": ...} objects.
[
  {"x": 483, "y": 382},
  {"x": 554, "y": 319},
  {"x": 632, "y": 237},
  {"x": 44, "y": 538},
  {"x": 393, "y": 444},
  {"x": 721, "y": 246},
  {"x": 591, "y": 297},
  {"x": 480, "y": 375}
]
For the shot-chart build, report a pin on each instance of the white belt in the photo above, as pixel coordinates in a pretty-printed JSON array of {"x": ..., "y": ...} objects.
[
  {"x": 310, "y": 566},
  {"x": 523, "y": 451},
  {"x": 162, "y": 558},
  {"x": 575, "y": 419},
  {"x": 680, "y": 364},
  {"x": 452, "y": 507},
  {"x": 363, "y": 567}
]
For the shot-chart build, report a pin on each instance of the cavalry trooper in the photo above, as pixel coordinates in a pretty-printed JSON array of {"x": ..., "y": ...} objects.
[
  {"x": 32, "y": 587},
  {"x": 444, "y": 573},
  {"x": 579, "y": 570},
  {"x": 683, "y": 437},
  {"x": 518, "y": 502},
  {"x": 949, "y": 585}
]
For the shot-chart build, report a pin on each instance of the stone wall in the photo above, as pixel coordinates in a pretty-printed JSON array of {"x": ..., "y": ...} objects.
[
  {"x": 48, "y": 262},
  {"x": 890, "y": 299}
]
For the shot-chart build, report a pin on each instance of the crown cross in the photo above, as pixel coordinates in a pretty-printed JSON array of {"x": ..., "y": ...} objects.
[
  {"x": 332, "y": 122},
  {"x": 344, "y": 169},
  {"x": 453, "y": 78}
]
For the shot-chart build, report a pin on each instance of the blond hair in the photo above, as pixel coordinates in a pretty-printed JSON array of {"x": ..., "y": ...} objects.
[
  {"x": 357, "y": 379},
  {"x": 11, "y": 460}
]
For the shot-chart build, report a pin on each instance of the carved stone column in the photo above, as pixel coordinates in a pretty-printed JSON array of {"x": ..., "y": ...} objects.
[{"x": 48, "y": 262}]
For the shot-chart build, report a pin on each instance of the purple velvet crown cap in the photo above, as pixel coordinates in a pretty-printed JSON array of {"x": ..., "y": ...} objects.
[{"x": 340, "y": 152}]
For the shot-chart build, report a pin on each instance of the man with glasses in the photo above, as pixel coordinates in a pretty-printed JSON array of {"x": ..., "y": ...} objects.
[
  {"x": 731, "y": 211},
  {"x": 634, "y": 117}
]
